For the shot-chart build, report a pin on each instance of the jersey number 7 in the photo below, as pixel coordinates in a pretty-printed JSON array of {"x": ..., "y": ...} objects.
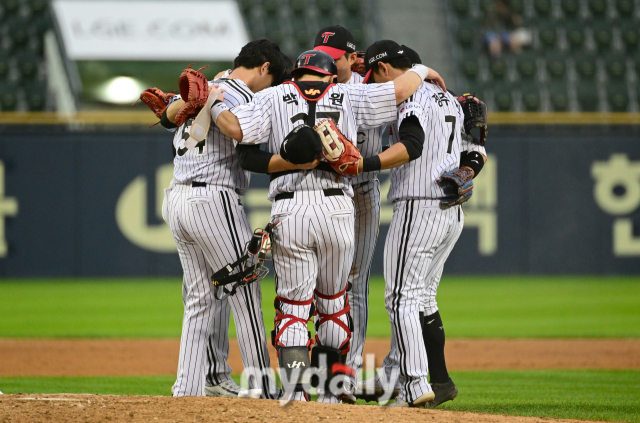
[{"x": 451, "y": 119}]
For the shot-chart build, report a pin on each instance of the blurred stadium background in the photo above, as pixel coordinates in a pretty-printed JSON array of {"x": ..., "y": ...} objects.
[{"x": 82, "y": 175}]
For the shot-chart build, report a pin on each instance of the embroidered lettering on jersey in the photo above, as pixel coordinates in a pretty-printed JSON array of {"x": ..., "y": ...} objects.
[
  {"x": 440, "y": 98},
  {"x": 290, "y": 98},
  {"x": 336, "y": 99}
]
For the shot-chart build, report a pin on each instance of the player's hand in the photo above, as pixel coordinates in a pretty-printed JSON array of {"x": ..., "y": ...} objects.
[
  {"x": 308, "y": 166},
  {"x": 436, "y": 79},
  {"x": 218, "y": 92}
]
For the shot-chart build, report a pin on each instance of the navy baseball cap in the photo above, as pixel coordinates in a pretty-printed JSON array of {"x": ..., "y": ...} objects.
[
  {"x": 335, "y": 40},
  {"x": 381, "y": 51},
  {"x": 412, "y": 55}
]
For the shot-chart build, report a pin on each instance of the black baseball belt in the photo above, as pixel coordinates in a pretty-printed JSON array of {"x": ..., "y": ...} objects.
[{"x": 330, "y": 192}]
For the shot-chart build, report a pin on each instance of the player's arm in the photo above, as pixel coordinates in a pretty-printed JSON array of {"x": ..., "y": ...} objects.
[
  {"x": 253, "y": 159},
  {"x": 249, "y": 123},
  {"x": 408, "y": 149},
  {"x": 169, "y": 115},
  {"x": 473, "y": 160},
  {"x": 407, "y": 84}
]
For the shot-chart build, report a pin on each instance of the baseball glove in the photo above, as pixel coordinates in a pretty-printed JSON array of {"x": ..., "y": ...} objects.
[
  {"x": 475, "y": 118},
  {"x": 194, "y": 90},
  {"x": 457, "y": 185},
  {"x": 341, "y": 154},
  {"x": 156, "y": 100},
  {"x": 358, "y": 66}
]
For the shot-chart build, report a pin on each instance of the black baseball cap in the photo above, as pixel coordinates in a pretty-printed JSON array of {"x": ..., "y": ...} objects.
[
  {"x": 381, "y": 51},
  {"x": 412, "y": 55},
  {"x": 302, "y": 145},
  {"x": 335, "y": 40}
]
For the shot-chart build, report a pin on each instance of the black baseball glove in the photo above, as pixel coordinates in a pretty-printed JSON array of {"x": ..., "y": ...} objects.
[{"x": 475, "y": 119}]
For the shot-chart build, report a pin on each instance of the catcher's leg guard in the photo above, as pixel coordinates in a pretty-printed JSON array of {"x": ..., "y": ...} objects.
[
  {"x": 330, "y": 360},
  {"x": 294, "y": 369}
]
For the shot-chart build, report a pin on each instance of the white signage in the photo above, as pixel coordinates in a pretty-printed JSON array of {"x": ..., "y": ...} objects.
[{"x": 151, "y": 29}]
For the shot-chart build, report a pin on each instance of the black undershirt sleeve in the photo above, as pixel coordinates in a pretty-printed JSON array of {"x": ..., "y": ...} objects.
[
  {"x": 412, "y": 136},
  {"x": 472, "y": 159},
  {"x": 164, "y": 121},
  {"x": 253, "y": 159}
]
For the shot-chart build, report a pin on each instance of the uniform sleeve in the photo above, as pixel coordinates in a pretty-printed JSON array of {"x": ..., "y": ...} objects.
[
  {"x": 372, "y": 104},
  {"x": 255, "y": 118}
]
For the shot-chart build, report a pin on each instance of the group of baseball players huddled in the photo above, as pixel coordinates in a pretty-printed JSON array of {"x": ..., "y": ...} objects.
[{"x": 316, "y": 128}]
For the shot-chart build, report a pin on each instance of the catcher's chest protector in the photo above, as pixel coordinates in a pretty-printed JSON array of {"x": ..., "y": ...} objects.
[{"x": 312, "y": 94}]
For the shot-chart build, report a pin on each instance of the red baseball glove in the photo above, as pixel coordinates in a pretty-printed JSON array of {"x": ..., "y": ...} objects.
[
  {"x": 358, "y": 66},
  {"x": 194, "y": 90},
  {"x": 339, "y": 151},
  {"x": 156, "y": 100}
]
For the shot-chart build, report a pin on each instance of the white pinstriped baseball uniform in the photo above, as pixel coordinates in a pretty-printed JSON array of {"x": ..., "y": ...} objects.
[
  {"x": 314, "y": 243},
  {"x": 421, "y": 235},
  {"x": 211, "y": 229},
  {"x": 366, "y": 198}
]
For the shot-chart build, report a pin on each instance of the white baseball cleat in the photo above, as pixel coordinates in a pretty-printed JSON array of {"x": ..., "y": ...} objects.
[
  {"x": 373, "y": 388},
  {"x": 419, "y": 402},
  {"x": 228, "y": 388}
]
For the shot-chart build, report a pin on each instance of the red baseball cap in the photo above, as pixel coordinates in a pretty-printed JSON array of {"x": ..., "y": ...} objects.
[{"x": 335, "y": 41}]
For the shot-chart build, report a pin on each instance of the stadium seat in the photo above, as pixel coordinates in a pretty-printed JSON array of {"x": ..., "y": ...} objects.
[
  {"x": 504, "y": 100},
  {"x": 517, "y": 6},
  {"x": 4, "y": 66},
  {"x": 10, "y": 7},
  {"x": 461, "y": 7},
  {"x": 575, "y": 34},
  {"x": 470, "y": 68},
  {"x": 602, "y": 35},
  {"x": 35, "y": 95},
  {"x": 498, "y": 69},
  {"x": 27, "y": 63},
  {"x": 18, "y": 32},
  {"x": 559, "y": 97},
  {"x": 586, "y": 67},
  {"x": 352, "y": 6},
  {"x": 325, "y": 6},
  {"x": 271, "y": 6},
  {"x": 526, "y": 65},
  {"x": 246, "y": 6},
  {"x": 530, "y": 94},
  {"x": 466, "y": 33},
  {"x": 548, "y": 36},
  {"x": 588, "y": 96},
  {"x": 543, "y": 8},
  {"x": 625, "y": 7},
  {"x": 618, "y": 97},
  {"x": 298, "y": 6},
  {"x": 630, "y": 34},
  {"x": 598, "y": 8},
  {"x": 556, "y": 66},
  {"x": 8, "y": 97},
  {"x": 616, "y": 65},
  {"x": 570, "y": 8},
  {"x": 38, "y": 7}
]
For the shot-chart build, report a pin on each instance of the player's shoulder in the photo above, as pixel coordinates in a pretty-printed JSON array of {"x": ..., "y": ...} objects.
[
  {"x": 356, "y": 78},
  {"x": 236, "y": 91}
]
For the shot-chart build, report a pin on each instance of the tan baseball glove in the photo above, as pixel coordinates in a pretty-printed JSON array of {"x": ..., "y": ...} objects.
[{"x": 340, "y": 153}]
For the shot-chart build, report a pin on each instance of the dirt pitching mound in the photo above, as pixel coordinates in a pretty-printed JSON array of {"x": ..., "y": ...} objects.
[{"x": 97, "y": 408}]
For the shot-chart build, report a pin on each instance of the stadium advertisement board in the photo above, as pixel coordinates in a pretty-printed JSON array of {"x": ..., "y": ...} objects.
[{"x": 555, "y": 200}]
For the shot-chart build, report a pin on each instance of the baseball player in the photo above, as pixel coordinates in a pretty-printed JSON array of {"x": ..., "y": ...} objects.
[
  {"x": 313, "y": 236},
  {"x": 339, "y": 43},
  {"x": 427, "y": 153},
  {"x": 207, "y": 220}
]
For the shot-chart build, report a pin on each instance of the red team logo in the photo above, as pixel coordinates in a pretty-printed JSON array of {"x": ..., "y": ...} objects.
[
  {"x": 326, "y": 35},
  {"x": 306, "y": 58}
]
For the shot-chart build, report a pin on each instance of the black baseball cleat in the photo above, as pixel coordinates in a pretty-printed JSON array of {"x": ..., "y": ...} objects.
[{"x": 446, "y": 391}]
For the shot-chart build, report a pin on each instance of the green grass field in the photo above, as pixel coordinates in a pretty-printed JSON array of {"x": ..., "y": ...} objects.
[
  {"x": 471, "y": 307},
  {"x": 500, "y": 307}
]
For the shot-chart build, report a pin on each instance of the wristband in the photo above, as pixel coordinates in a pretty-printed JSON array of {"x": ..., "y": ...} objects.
[
  {"x": 421, "y": 70},
  {"x": 371, "y": 164},
  {"x": 217, "y": 108}
]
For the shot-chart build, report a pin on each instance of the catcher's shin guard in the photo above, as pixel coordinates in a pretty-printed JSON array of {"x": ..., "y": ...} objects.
[{"x": 294, "y": 368}]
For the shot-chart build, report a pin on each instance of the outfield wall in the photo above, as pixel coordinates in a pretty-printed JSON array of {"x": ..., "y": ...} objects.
[{"x": 557, "y": 199}]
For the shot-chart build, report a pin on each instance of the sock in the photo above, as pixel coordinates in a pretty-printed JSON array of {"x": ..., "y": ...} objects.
[{"x": 433, "y": 334}]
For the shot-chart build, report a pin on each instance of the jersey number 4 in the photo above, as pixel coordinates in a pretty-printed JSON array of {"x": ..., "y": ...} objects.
[{"x": 452, "y": 121}]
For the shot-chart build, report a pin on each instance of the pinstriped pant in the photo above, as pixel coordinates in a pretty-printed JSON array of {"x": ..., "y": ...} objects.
[
  {"x": 367, "y": 204},
  {"x": 211, "y": 229},
  {"x": 312, "y": 249},
  {"x": 420, "y": 239}
]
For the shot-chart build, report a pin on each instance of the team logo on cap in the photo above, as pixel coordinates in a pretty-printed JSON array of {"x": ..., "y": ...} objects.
[
  {"x": 377, "y": 57},
  {"x": 306, "y": 58},
  {"x": 326, "y": 35}
]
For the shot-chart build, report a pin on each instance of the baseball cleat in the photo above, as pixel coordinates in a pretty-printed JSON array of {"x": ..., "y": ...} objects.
[
  {"x": 419, "y": 402},
  {"x": 399, "y": 402},
  {"x": 372, "y": 389},
  {"x": 228, "y": 388},
  {"x": 443, "y": 392}
]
